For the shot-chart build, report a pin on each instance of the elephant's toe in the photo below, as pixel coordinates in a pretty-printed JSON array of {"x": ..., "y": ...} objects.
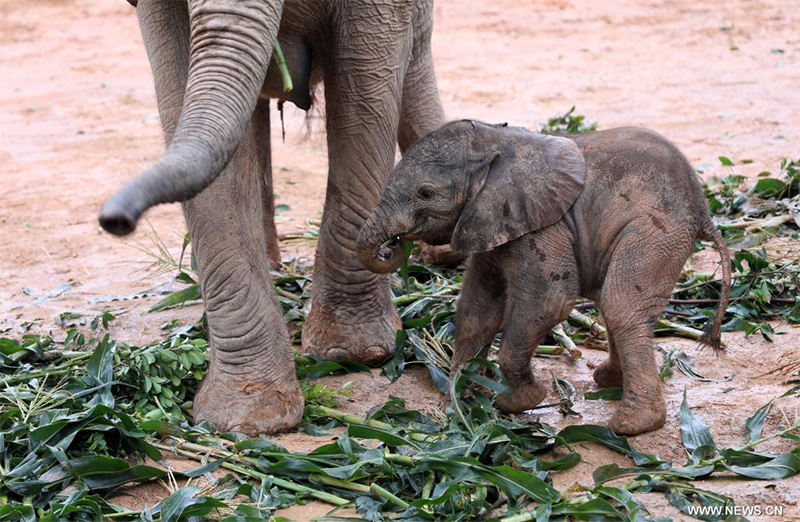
[
  {"x": 249, "y": 407},
  {"x": 369, "y": 342},
  {"x": 521, "y": 399},
  {"x": 376, "y": 354},
  {"x": 635, "y": 418},
  {"x": 608, "y": 375}
]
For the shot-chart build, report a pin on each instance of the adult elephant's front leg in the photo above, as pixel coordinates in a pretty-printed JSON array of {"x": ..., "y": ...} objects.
[
  {"x": 352, "y": 315},
  {"x": 251, "y": 385}
]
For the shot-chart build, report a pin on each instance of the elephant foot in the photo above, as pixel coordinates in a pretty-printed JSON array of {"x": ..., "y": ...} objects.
[
  {"x": 608, "y": 375},
  {"x": 634, "y": 418},
  {"x": 440, "y": 256},
  {"x": 521, "y": 399},
  {"x": 250, "y": 406},
  {"x": 339, "y": 335}
]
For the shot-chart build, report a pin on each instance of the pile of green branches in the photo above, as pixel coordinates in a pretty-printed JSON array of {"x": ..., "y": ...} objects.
[{"x": 74, "y": 424}]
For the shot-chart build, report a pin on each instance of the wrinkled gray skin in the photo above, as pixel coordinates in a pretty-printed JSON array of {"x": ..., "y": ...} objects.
[
  {"x": 214, "y": 74},
  {"x": 611, "y": 216}
]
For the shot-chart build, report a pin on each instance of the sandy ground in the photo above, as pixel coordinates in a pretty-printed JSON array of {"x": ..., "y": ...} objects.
[{"x": 79, "y": 119}]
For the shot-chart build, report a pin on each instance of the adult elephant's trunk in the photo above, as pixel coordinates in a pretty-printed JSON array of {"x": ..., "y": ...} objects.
[
  {"x": 379, "y": 243},
  {"x": 231, "y": 45}
]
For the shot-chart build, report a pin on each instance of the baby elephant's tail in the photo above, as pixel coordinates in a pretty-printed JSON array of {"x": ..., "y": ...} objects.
[{"x": 711, "y": 333}]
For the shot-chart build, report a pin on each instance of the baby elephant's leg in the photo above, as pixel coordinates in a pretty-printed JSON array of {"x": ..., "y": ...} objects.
[
  {"x": 540, "y": 298},
  {"x": 520, "y": 339},
  {"x": 640, "y": 278},
  {"x": 479, "y": 316}
]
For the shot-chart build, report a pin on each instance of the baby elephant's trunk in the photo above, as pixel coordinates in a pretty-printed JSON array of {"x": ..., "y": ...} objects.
[{"x": 712, "y": 335}]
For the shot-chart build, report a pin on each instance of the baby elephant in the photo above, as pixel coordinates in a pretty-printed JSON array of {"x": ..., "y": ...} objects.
[{"x": 611, "y": 216}]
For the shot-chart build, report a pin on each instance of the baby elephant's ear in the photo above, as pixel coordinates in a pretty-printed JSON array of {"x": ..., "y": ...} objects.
[{"x": 525, "y": 187}]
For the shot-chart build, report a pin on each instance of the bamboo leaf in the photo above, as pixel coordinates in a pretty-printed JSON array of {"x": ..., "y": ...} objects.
[
  {"x": 755, "y": 424},
  {"x": 387, "y": 437},
  {"x": 606, "y": 394},
  {"x": 605, "y": 437},
  {"x": 184, "y": 503},
  {"x": 697, "y": 439},
  {"x": 179, "y": 298},
  {"x": 783, "y": 466}
]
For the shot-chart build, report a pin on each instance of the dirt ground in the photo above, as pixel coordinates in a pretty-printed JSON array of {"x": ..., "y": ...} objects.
[{"x": 719, "y": 78}]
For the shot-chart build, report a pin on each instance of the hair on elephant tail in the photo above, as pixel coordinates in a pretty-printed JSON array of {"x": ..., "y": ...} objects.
[
  {"x": 315, "y": 115},
  {"x": 712, "y": 335}
]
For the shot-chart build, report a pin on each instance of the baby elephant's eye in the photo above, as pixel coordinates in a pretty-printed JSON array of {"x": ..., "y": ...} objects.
[{"x": 425, "y": 193}]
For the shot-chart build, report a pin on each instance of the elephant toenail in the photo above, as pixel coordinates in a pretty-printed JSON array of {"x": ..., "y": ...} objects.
[
  {"x": 375, "y": 354},
  {"x": 336, "y": 354}
]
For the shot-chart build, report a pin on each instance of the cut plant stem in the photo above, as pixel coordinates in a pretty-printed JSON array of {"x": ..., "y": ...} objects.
[
  {"x": 341, "y": 484},
  {"x": 61, "y": 369},
  {"x": 282, "y": 483},
  {"x": 752, "y": 225},
  {"x": 286, "y": 78},
  {"x": 684, "y": 331},
  {"x": 551, "y": 405},
  {"x": 407, "y": 246},
  {"x": 565, "y": 342},
  {"x": 388, "y": 495},
  {"x": 595, "y": 344},
  {"x": 752, "y": 444},
  {"x": 353, "y": 419},
  {"x": 585, "y": 321},
  {"x": 549, "y": 350},
  {"x": 521, "y": 517},
  {"x": 410, "y": 298}
]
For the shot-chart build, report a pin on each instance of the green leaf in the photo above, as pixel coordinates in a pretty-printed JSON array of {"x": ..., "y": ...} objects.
[
  {"x": 100, "y": 369},
  {"x": 184, "y": 504},
  {"x": 606, "y": 394},
  {"x": 112, "y": 479},
  {"x": 769, "y": 187},
  {"x": 325, "y": 367},
  {"x": 514, "y": 482},
  {"x": 407, "y": 246},
  {"x": 608, "y": 472},
  {"x": 726, "y": 161},
  {"x": 566, "y": 462},
  {"x": 175, "y": 299},
  {"x": 566, "y": 392},
  {"x": 605, "y": 437},
  {"x": 595, "y": 509},
  {"x": 755, "y": 424},
  {"x": 783, "y": 466},
  {"x": 697, "y": 439},
  {"x": 370, "y": 432},
  {"x": 622, "y": 496}
]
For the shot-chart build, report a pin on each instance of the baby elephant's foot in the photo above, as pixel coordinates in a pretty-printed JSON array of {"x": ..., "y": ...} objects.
[
  {"x": 608, "y": 375},
  {"x": 521, "y": 399},
  {"x": 633, "y": 418}
]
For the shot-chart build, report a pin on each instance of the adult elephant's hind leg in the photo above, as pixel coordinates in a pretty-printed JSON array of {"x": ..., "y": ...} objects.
[
  {"x": 263, "y": 152},
  {"x": 352, "y": 315}
]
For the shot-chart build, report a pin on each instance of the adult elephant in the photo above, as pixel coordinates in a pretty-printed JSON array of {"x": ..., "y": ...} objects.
[{"x": 214, "y": 75}]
